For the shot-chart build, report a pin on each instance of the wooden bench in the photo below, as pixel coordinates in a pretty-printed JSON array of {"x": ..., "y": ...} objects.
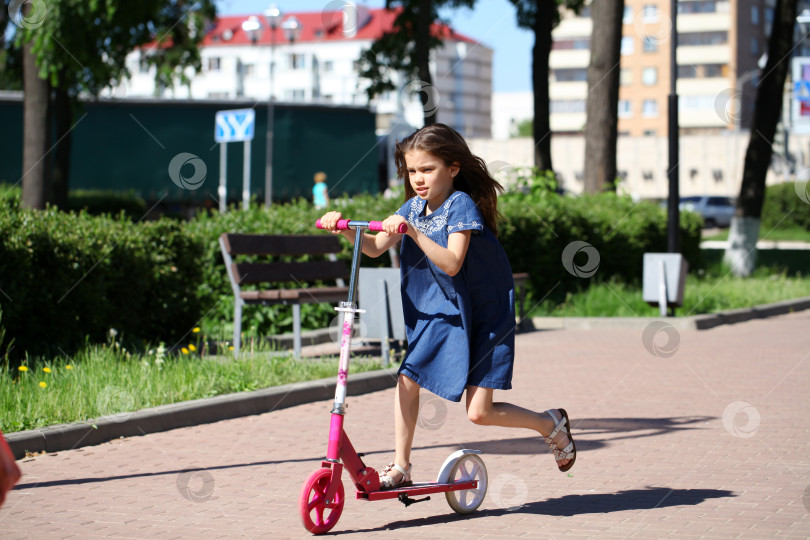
[{"x": 319, "y": 264}]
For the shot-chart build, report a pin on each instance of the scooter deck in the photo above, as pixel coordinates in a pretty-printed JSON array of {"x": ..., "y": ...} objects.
[{"x": 419, "y": 488}]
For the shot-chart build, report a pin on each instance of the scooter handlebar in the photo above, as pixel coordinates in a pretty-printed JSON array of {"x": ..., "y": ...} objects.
[{"x": 345, "y": 224}]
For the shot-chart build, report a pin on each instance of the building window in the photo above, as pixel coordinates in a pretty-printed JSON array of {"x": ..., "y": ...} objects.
[
  {"x": 649, "y": 76},
  {"x": 650, "y": 133},
  {"x": 628, "y": 15},
  {"x": 571, "y": 75},
  {"x": 696, "y": 103},
  {"x": 649, "y": 13},
  {"x": 294, "y": 95},
  {"x": 755, "y": 15},
  {"x": 754, "y": 46},
  {"x": 576, "y": 43},
  {"x": 697, "y": 39},
  {"x": 143, "y": 65},
  {"x": 218, "y": 95},
  {"x": 715, "y": 70},
  {"x": 625, "y": 108},
  {"x": 649, "y": 108},
  {"x": 627, "y": 45},
  {"x": 625, "y": 77},
  {"x": 249, "y": 70},
  {"x": 328, "y": 66},
  {"x": 698, "y": 7},
  {"x": 214, "y": 64},
  {"x": 687, "y": 72},
  {"x": 650, "y": 44},
  {"x": 567, "y": 106},
  {"x": 296, "y": 61}
]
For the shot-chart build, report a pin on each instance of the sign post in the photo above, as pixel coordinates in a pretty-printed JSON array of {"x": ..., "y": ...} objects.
[{"x": 234, "y": 126}]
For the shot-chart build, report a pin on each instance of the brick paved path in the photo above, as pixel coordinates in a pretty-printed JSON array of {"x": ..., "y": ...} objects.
[{"x": 709, "y": 439}]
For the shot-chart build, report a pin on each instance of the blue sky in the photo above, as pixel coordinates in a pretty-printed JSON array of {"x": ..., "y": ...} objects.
[{"x": 493, "y": 23}]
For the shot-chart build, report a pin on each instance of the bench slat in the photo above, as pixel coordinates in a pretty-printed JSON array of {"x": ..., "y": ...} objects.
[
  {"x": 250, "y": 273},
  {"x": 312, "y": 295},
  {"x": 261, "y": 244}
]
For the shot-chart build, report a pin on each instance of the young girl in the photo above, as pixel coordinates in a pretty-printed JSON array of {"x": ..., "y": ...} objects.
[{"x": 457, "y": 295}]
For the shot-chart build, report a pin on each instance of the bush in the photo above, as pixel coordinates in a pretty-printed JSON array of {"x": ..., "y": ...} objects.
[
  {"x": 98, "y": 202},
  {"x": 784, "y": 209},
  {"x": 538, "y": 226},
  {"x": 68, "y": 277}
]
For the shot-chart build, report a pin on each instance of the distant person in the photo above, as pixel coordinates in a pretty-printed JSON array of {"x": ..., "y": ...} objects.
[{"x": 320, "y": 195}]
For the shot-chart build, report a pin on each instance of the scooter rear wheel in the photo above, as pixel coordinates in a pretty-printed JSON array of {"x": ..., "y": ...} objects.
[
  {"x": 318, "y": 514},
  {"x": 468, "y": 467}
]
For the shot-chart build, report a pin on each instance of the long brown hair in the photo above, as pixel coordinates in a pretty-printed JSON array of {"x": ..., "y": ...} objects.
[{"x": 473, "y": 177}]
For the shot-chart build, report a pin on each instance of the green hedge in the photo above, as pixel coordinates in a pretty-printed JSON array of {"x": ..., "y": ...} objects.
[
  {"x": 68, "y": 277},
  {"x": 539, "y": 225},
  {"x": 784, "y": 208}
]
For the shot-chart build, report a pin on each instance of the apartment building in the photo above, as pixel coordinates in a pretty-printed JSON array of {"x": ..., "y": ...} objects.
[
  {"x": 720, "y": 43},
  {"x": 311, "y": 57}
]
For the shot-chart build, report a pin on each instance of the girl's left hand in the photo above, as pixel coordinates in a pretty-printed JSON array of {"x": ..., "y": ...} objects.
[{"x": 391, "y": 224}]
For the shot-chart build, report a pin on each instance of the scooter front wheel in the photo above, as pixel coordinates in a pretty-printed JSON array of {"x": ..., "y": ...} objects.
[
  {"x": 318, "y": 514},
  {"x": 467, "y": 467}
]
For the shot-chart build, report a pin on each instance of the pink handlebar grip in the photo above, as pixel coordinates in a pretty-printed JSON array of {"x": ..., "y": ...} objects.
[
  {"x": 343, "y": 224},
  {"x": 377, "y": 226}
]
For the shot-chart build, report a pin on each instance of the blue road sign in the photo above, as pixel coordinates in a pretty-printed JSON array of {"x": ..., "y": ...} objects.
[{"x": 235, "y": 125}]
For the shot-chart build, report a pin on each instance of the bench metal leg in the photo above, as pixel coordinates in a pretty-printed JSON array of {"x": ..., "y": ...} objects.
[
  {"x": 237, "y": 327},
  {"x": 297, "y": 331}
]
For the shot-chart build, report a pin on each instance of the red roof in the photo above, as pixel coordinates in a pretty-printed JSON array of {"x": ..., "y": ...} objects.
[{"x": 315, "y": 27}]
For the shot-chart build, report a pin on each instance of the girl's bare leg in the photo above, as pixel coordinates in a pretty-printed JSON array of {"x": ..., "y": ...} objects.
[
  {"x": 406, "y": 412},
  {"x": 481, "y": 410}
]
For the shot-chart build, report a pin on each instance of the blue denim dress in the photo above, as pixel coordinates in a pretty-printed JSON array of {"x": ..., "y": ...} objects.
[{"x": 460, "y": 329}]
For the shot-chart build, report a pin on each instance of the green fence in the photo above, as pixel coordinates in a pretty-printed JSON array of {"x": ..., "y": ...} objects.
[{"x": 128, "y": 145}]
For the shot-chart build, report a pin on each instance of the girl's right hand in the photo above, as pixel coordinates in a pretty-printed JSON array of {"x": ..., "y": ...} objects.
[{"x": 329, "y": 221}]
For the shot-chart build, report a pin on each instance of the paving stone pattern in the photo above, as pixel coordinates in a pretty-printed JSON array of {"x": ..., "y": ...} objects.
[{"x": 681, "y": 434}]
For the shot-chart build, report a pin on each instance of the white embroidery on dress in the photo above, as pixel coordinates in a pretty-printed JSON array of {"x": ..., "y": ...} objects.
[{"x": 437, "y": 221}]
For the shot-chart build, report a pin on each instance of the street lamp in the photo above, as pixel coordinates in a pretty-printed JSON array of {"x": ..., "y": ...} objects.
[
  {"x": 292, "y": 28},
  {"x": 272, "y": 15},
  {"x": 253, "y": 28}
]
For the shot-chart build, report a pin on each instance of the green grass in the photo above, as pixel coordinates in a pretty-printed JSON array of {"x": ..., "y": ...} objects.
[
  {"x": 777, "y": 235},
  {"x": 105, "y": 380},
  {"x": 710, "y": 293}
]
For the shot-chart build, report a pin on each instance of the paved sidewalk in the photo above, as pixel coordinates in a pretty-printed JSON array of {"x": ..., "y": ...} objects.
[{"x": 681, "y": 433}]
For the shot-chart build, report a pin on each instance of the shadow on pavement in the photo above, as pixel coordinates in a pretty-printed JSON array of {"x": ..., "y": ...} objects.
[
  {"x": 614, "y": 429},
  {"x": 571, "y": 505},
  {"x": 591, "y": 434}
]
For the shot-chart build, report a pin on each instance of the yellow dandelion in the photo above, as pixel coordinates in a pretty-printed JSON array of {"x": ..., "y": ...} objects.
[
  {"x": 43, "y": 384},
  {"x": 68, "y": 366},
  {"x": 46, "y": 369},
  {"x": 23, "y": 368},
  {"x": 230, "y": 347},
  {"x": 184, "y": 350},
  {"x": 191, "y": 347},
  {"x": 196, "y": 330}
]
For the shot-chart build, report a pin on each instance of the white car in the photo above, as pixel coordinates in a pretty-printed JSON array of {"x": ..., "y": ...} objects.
[{"x": 716, "y": 211}]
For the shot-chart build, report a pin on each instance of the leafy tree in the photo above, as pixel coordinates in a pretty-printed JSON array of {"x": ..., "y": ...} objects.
[
  {"x": 541, "y": 16},
  {"x": 744, "y": 232},
  {"x": 406, "y": 48},
  {"x": 525, "y": 128},
  {"x": 79, "y": 47},
  {"x": 601, "y": 130}
]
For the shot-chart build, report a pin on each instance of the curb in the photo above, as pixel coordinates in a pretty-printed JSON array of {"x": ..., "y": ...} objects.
[
  {"x": 207, "y": 410},
  {"x": 190, "y": 413},
  {"x": 694, "y": 322}
]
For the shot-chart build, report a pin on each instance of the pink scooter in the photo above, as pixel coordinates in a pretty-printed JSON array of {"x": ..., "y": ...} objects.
[{"x": 462, "y": 477}]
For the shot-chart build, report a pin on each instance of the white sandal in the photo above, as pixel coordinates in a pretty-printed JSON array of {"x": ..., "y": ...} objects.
[
  {"x": 386, "y": 482},
  {"x": 570, "y": 451}
]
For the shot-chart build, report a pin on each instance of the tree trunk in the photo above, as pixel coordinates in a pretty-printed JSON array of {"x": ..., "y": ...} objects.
[
  {"x": 422, "y": 53},
  {"x": 63, "y": 115},
  {"x": 36, "y": 134},
  {"x": 601, "y": 130},
  {"x": 541, "y": 129},
  {"x": 741, "y": 252}
]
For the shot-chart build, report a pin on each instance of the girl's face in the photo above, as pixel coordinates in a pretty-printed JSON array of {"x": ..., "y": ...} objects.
[{"x": 430, "y": 178}]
